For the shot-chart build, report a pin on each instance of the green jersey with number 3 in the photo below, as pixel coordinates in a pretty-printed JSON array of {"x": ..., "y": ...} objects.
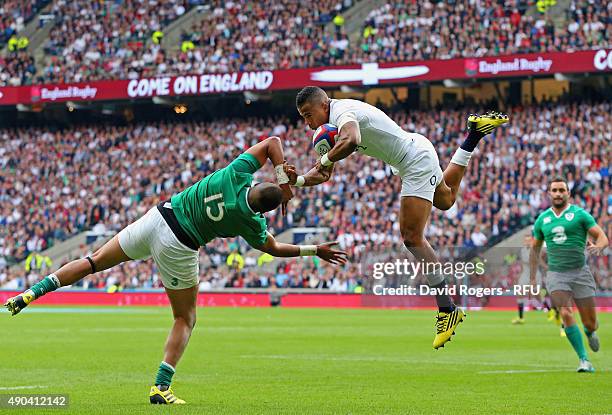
[
  {"x": 565, "y": 236},
  {"x": 217, "y": 206}
]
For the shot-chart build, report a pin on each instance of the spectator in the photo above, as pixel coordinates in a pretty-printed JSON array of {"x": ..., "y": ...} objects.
[
  {"x": 121, "y": 40},
  {"x": 122, "y": 171}
]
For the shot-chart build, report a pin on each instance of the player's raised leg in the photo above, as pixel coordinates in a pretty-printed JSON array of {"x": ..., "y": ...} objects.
[
  {"x": 109, "y": 255},
  {"x": 588, "y": 315},
  {"x": 183, "y": 304},
  {"x": 414, "y": 213},
  {"x": 478, "y": 126}
]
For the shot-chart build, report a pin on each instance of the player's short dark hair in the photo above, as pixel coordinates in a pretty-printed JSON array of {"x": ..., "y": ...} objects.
[
  {"x": 558, "y": 179},
  {"x": 269, "y": 196},
  {"x": 307, "y": 94}
]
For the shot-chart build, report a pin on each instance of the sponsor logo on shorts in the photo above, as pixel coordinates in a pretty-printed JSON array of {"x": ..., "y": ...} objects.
[{"x": 432, "y": 180}]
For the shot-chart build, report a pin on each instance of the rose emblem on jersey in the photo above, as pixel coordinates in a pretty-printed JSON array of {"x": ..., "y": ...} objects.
[{"x": 569, "y": 216}]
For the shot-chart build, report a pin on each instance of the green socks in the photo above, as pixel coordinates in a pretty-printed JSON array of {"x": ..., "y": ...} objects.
[
  {"x": 575, "y": 338},
  {"x": 48, "y": 284},
  {"x": 164, "y": 374}
]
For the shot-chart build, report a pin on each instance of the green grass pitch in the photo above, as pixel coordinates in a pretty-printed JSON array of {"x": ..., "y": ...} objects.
[{"x": 285, "y": 361}]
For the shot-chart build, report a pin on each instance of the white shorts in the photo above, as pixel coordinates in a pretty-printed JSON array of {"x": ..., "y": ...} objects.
[
  {"x": 150, "y": 236},
  {"x": 420, "y": 170}
]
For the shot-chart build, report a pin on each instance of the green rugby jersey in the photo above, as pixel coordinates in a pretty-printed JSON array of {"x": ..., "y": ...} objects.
[
  {"x": 565, "y": 236},
  {"x": 217, "y": 207}
]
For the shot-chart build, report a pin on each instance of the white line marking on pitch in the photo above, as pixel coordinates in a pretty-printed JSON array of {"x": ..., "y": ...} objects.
[
  {"x": 11, "y": 388},
  {"x": 396, "y": 360},
  {"x": 489, "y": 372}
]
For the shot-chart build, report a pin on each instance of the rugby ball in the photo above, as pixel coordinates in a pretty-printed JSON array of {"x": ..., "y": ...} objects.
[{"x": 324, "y": 138}]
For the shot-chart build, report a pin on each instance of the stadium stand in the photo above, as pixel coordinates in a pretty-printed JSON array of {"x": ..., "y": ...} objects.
[
  {"x": 259, "y": 35},
  {"x": 117, "y": 175},
  {"x": 93, "y": 40},
  {"x": 17, "y": 69},
  {"x": 405, "y": 30},
  {"x": 235, "y": 36},
  {"x": 14, "y": 14}
]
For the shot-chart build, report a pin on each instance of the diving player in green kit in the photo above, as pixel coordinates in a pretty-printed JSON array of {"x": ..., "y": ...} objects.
[
  {"x": 221, "y": 205},
  {"x": 565, "y": 228}
]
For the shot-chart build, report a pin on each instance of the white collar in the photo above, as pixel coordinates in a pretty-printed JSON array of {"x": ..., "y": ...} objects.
[
  {"x": 562, "y": 212},
  {"x": 246, "y": 198}
]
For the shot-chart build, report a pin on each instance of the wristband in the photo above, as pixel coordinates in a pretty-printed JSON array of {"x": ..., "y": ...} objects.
[
  {"x": 325, "y": 161},
  {"x": 299, "y": 182},
  {"x": 308, "y": 250},
  {"x": 281, "y": 176}
]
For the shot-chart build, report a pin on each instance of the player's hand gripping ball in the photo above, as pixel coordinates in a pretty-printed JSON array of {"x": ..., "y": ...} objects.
[{"x": 324, "y": 138}]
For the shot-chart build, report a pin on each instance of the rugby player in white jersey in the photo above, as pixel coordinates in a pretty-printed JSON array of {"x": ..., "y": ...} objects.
[{"x": 365, "y": 129}]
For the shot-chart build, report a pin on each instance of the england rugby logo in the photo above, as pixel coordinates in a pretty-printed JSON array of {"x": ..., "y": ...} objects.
[{"x": 471, "y": 67}]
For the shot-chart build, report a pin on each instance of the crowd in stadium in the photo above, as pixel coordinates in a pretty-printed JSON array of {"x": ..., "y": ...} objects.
[
  {"x": 100, "y": 40},
  {"x": 104, "y": 177},
  {"x": 15, "y": 14},
  {"x": 401, "y": 31},
  {"x": 268, "y": 34},
  {"x": 93, "y": 40}
]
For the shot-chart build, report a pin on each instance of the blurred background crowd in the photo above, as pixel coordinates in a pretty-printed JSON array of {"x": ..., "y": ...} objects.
[
  {"x": 93, "y": 40},
  {"x": 54, "y": 184},
  {"x": 59, "y": 180}
]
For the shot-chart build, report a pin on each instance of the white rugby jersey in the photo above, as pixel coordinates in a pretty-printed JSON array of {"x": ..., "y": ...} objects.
[{"x": 381, "y": 137}]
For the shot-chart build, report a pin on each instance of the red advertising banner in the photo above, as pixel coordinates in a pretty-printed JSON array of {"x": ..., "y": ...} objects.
[
  {"x": 316, "y": 299},
  {"x": 370, "y": 74},
  {"x": 145, "y": 298}
]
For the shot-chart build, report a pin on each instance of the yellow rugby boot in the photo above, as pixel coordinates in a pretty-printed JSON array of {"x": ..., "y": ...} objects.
[{"x": 446, "y": 323}]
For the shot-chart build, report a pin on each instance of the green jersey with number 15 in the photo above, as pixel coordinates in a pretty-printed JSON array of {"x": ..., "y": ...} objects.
[
  {"x": 217, "y": 206},
  {"x": 565, "y": 236}
]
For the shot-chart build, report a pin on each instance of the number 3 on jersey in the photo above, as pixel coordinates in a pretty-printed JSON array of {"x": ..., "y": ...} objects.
[
  {"x": 220, "y": 206},
  {"x": 559, "y": 235}
]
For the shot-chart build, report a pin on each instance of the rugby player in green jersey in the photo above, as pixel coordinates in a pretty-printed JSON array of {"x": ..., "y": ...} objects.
[
  {"x": 565, "y": 228},
  {"x": 221, "y": 205}
]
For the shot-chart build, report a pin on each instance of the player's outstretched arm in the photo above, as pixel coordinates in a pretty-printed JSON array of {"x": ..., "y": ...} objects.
[
  {"x": 349, "y": 137},
  {"x": 272, "y": 149},
  {"x": 601, "y": 240},
  {"x": 317, "y": 175},
  {"x": 534, "y": 259},
  {"x": 269, "y": 149},
  {"x": 323, "y": 251}
]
